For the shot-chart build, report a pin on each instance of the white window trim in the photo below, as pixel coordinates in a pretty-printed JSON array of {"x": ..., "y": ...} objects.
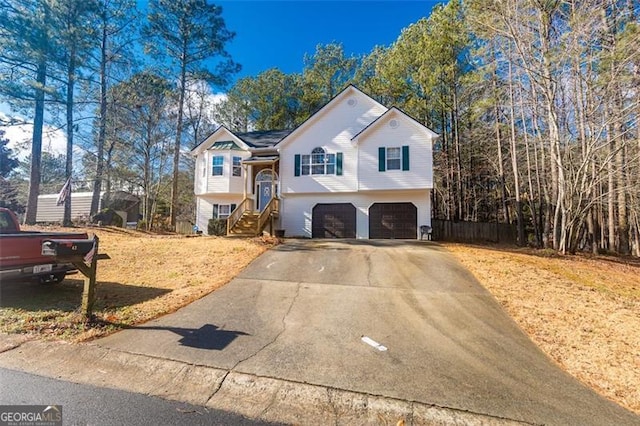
[
  {"x": 222, "y": 215},
  {"x": 221, "y": 166},
  {"x": 218, "y": 214},
  {"x": 398, "y": 158},
  {"x": 309, "y": 167},
  {"x": 235, "y": 167}
]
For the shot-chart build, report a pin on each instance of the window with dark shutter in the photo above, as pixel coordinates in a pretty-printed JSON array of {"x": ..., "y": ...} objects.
[
  {"x": 393, "y": 158},
  {"x": 319, "y": 162}
]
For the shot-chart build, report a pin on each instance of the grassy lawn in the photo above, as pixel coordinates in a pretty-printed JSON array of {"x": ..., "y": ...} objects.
[
  {"x": 583, "y": 311},
  {"x": 147, "y": 276}
]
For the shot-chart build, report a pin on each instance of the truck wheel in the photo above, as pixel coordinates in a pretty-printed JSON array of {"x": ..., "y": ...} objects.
[{"x": 52, "y": 278}]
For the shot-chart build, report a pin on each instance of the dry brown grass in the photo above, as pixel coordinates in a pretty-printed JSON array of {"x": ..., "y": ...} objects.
[
  {"x": 584, "y": 312},
  {"x": 147, "y": 276}
]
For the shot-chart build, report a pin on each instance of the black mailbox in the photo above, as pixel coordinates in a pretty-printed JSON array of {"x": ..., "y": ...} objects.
[{"x": 66, "y": 248}]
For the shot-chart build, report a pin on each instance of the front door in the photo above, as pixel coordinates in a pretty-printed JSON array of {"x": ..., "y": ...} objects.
[{"x": 264, "y": 194}]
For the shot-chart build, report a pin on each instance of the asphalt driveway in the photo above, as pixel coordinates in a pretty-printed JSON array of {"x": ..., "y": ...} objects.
[{"x": 300, "y": 312}]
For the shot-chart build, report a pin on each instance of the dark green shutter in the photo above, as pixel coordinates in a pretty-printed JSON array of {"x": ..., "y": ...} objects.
[
  {"x": 405, "y": 158},
  {"x": 233, "y": 207},
  {"x": 339, "y": 164},
  {"x": 296, "y": 171},
  {"x": 382, "y": 162},
  {"x": 215, "y": 211}
]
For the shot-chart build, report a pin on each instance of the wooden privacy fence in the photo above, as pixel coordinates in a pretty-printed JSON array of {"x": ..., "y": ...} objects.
[{"x": 473, "y": 232}]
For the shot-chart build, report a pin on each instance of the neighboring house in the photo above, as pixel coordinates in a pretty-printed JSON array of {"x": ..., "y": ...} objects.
[
  {"x": 354, "y": 169},
  {"x": 127, "y": 205}
]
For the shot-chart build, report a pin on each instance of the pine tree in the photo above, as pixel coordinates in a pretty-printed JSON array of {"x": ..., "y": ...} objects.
[{"x": 186, "y": 33}]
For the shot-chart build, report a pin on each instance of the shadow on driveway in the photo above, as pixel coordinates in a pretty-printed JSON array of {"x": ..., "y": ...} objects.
[{"x": 208, "y": 336}]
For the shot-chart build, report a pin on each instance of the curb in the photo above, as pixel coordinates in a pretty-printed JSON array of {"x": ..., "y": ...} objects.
[{"x": 261, "y": 398}]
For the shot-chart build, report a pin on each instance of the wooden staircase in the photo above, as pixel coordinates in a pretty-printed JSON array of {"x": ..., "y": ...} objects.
[
  {"x": 244, "y": 222},
  {"x": 246, "y": 225}
]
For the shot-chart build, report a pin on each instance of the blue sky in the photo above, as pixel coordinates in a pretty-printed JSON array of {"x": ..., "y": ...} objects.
[{"x": 278, "y": 33}]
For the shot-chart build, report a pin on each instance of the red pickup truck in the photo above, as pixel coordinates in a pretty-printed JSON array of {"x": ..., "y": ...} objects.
[{"x": 21, "y": 252}]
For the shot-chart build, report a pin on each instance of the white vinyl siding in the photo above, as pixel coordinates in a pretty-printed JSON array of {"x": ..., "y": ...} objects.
[
  {"x": 205, "y": 207},
  {"x": 419, "y": 173},
  {"x": 49, "y": 211},
  {"x": 332, "y": 130},
  {"x": 227, "y": 183}
]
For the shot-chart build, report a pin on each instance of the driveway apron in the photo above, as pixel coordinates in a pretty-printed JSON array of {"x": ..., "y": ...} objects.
[{"x": 400, "y": 319}]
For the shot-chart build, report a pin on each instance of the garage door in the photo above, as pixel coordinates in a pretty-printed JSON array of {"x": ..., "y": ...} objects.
[
  {"x": 334, "y": 221},
  {"x": 393, "y": 220}
]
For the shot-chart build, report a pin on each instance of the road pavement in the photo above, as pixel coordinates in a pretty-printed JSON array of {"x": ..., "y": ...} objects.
[{"x": 91, "y": 405}]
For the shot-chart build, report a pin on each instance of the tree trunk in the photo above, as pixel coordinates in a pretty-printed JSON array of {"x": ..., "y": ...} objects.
[
  {"x": 502, "y": 183},
  {"x": 532, "y": 198},
  {"x": 621, "y": 180},
  {"x": 456, "y": 140},
  {"x": 102, "y": 126},
  {"x": 176, "y": 153},
  {"x": 71, "y": 71},
  {"x": 514, "y": 160},
  {"x": 36, "y": 146}
]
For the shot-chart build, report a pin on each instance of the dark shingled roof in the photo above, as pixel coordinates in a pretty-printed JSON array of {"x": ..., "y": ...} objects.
[{"x": 263, "y": 139}]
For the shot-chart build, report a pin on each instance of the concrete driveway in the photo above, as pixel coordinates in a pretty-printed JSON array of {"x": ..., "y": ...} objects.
[{"x": 300, "y": 311}]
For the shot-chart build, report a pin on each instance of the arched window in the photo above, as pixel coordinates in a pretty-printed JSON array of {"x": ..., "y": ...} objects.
[
  {"x": 264, "y": 175},
  {"x": 318, "y": 163}
]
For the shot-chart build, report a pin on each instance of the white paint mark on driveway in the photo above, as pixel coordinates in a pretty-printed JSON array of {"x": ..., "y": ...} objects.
[
  {"x": 270, "y": 265},
  {"x": 373, "y": 343},
  {"x": 321, "y": 269}
]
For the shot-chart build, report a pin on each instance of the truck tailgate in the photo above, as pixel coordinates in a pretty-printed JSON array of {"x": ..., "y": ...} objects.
[{"x": 25, "y": 248}]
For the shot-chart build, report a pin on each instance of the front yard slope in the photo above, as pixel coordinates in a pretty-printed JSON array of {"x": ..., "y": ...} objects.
[{"x": 584, "y": 312}]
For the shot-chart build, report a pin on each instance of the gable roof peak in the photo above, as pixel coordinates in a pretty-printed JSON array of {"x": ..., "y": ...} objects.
[{"x": 394, "y": 110}]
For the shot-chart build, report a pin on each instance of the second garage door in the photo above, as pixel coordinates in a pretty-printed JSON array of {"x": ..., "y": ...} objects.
[
  {"x": 393, "y": 220},
  {"x": 334, "y": 221}
]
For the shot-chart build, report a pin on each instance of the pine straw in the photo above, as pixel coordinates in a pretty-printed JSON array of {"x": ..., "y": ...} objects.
[
  {"x": 147, "y": 276},
  {"x": 584, "y": 312}
]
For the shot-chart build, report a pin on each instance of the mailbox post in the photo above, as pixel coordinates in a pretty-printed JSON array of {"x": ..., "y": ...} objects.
[{"x": 83, "y": 254}]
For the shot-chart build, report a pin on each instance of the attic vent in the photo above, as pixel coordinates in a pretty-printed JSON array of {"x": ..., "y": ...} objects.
[
  {"x": 352, "y": 102},
  {"x": 393, "y": 124}
]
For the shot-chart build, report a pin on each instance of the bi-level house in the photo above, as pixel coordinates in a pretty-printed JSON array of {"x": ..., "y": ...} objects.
[{"x": 354, "y": 169}]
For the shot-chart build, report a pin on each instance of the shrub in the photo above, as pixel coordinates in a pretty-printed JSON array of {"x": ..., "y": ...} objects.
[
  {"x": 108, "y": 217},
  {"x": 217, "y": 227}
]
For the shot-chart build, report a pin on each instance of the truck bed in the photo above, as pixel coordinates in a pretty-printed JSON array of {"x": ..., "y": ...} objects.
[
  {"x": 21, "y": 253},
  {"x": 25, "y": 248}
]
